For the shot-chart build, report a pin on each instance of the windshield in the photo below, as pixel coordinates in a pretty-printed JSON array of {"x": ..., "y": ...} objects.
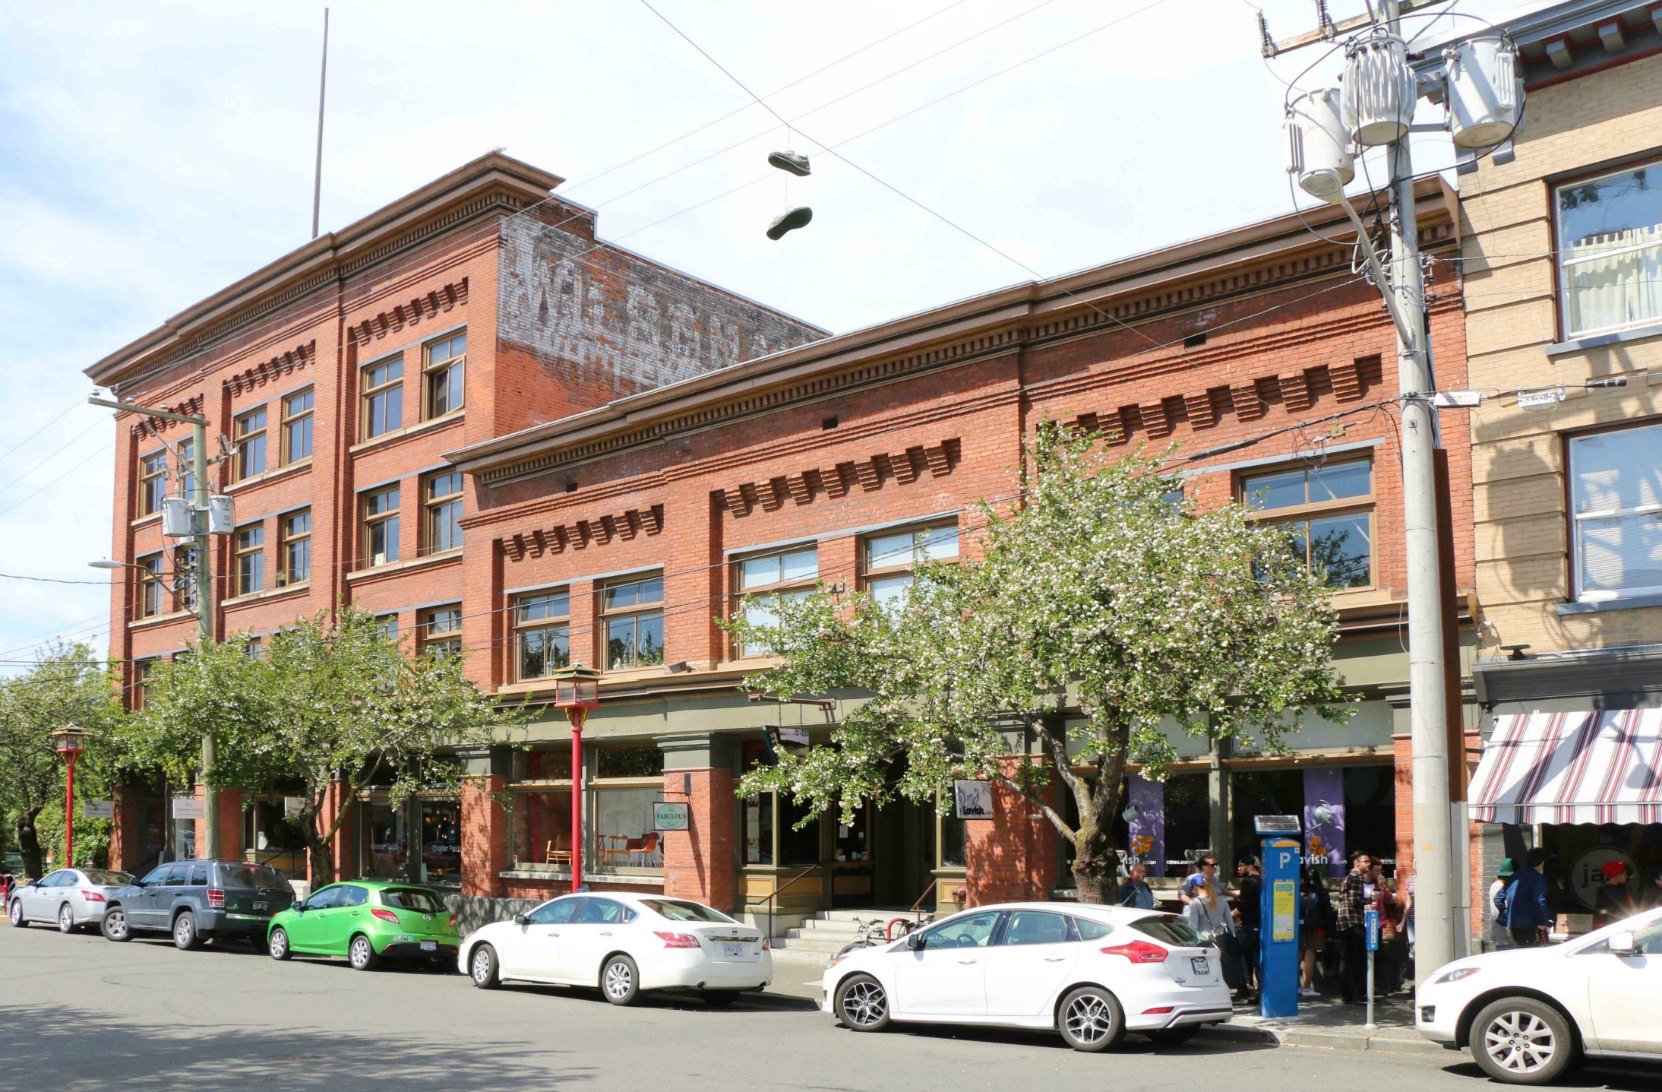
[
  {"x": 683, "y": 911},
  {"x": 1169, "y": 929},
  {"x": 418, "y": 899},
  {"x": 251, "y": 877},
  {"x": 105, "y": 878}
]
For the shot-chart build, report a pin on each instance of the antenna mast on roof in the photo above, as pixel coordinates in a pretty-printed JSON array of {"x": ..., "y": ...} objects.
[{"x": 322, "y": 87}]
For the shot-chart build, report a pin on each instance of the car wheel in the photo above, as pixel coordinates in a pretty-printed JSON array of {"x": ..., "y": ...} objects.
[
  {"x": 482, "y": 967},
  {"x": 1090, "y": 1018},
  {"x": 1522, "y": 1041},
  {"x": 278, "y": 944},
  {"x": 361, "y": 954},
  {"x": 861, "y": 1003},
  {"x": 66, "y": 919},
  {"x": 620, "y": 980},
  {"x": 184, "y": 932},
  {"x": 1173, "y": 1036},
  {"x": 18, "y": 919},
  {"x": 719, "y": 999},
  {"x": 114, "y": 925}
]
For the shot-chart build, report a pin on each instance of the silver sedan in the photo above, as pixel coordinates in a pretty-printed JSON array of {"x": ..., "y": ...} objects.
[{"x": 71, "y": 897}]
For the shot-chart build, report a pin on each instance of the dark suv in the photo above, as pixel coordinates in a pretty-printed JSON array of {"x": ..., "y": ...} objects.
[{"x": 199, "y": 900}]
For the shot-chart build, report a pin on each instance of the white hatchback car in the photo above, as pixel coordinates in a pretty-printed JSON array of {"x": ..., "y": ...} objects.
[
  {"x": 1091, "y": 972},
  {"x": 72, "y": 897},
  {"x": 1528, "y": 1013},
  {"x": 622, "y": 944}
]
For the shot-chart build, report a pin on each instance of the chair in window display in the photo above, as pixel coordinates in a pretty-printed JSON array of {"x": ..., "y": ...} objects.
[
  {"x": 645, "y": 847},
  {"x": 558, "y": 850}
]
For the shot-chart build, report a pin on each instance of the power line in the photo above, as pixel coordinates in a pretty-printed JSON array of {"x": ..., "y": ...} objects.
[
  {"x": 65, "y": 413},
  {"x": 96, "y": 453},
  {"x": 51, "y": 579},
  {"x": 48, "y": 458}
]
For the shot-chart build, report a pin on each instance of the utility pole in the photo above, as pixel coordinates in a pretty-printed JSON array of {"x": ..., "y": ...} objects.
[{"x": 202, "y": 574}]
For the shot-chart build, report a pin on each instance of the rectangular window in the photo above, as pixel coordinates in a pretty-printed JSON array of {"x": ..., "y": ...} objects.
[
  {"x": 380, "y": 527},
  {"x": 150, "y": 586},
  {"x": 764, "y": 579},
  {"x": 1616, "y": 511},
  {"x": 250, "y": 558},
  {"x": 444, "y": 367},
  {"x": 389, "y": 625},
  {"x": 184, "y": 568},
  {"x": 441, "y": 494},
  {"x": 297, "y": 426},
  {"x": 632, "y": 612},
  {"x": 294, "y": 541},
  {"x": 441, "y": 631},
  {"x": 1327, "y": 511},
  {"x": 152, "y": 482},
  {"x": 250, "y": 440},
  {"x": 383, "y": 396},
  {"x": 1610, "y": 251},
  {"x": 143, "y": 680},
  {"x": 891, "y": 558},
  {"x": 542, "y": 633}
]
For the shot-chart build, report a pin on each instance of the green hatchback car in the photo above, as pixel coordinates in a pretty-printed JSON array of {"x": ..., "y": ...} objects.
[{"x": 367, "y": 921}]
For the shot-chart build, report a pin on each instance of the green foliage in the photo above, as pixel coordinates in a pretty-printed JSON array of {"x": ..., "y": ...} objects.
[
  {"x": 333, "y": 704},
  {"x": 1102, "y": 618}
]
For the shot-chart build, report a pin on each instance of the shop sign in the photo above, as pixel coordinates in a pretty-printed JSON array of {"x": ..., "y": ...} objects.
[
  {"x": 972, "y": 799},
  {"x": 98, "y": 809},
  {"x": 1587, "y": 874},
  {"x": 670, "y": 815},
  {"x": 187, "y": 807},
  {"x": 294, "y": 805}
]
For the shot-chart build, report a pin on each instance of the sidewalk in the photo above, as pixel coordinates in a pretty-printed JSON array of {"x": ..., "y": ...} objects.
[{"x": 1328, "y": 1023}]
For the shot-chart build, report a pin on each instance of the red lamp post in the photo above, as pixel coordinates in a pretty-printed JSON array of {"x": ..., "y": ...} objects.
[
  {"x": 577, "y": 690},
  {"x": 70, "y": 742}
]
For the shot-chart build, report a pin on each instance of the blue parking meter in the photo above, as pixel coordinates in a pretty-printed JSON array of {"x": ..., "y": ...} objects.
[{"x": 1278, "y": 963}]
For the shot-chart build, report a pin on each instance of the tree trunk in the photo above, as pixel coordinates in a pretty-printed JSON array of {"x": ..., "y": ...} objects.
[
  {"x": 28, "y": 843},
  {"x": 322, "y": 861},
  {"x": 1094, "y": 861}
]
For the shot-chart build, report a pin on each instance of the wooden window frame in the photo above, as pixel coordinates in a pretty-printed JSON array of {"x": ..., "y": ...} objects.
[
  {"x": 152, "y": 470},
  {"x": 289, "y": 420},
  {"x": 433, "y": 508},
  {"x": 150, "y": 582},
  {"x": 435, "y": 374},
  {"x": 392, "y": 386},
  {"x": 370, "y": 522},
  {"x": 142, "y": 669},
  {"x": 1313, "y": 510},
  {"x": 635, "y": 612},
  {"x": 546, "y": 623},
  {"x": 909, "y": 566},
  {"x": 780, "y": 587},
  {"x": 287, "y": 540},
  {"x": 241, "y": 552},
  {"x": 430, "y": 639},
  {"x": 245, "y": 439}
]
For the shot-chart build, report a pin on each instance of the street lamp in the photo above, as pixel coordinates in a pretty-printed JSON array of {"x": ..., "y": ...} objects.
[
  {"x": 70, "y": 741},
  {"x": 576, "y": 690}
]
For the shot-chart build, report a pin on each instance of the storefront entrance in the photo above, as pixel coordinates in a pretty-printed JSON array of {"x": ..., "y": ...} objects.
[{"x": 886, "y": 857}]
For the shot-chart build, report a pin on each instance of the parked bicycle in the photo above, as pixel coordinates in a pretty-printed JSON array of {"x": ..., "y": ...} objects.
[{"x": 873, "y": 931}]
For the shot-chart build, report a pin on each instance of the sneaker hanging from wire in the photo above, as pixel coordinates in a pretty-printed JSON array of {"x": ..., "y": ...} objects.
[
  {"x": 797, "y": 217},
  {"x": 792, "y": 162}
]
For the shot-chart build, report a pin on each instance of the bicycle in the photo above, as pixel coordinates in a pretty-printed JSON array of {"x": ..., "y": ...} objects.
[{"x": 873, "y": 931}]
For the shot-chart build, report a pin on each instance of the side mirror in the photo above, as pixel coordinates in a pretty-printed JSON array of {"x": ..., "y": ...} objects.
[
  {"x": 299, "y": 906},
  {"x": 1624, "y": 944},
  {"x": 914, "y": 942},
  {"x": 521, "y": 919}
]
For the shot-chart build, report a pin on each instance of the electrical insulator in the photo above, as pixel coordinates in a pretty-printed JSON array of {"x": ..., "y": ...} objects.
[
  {"x": 1485, "y": 99},
  {"x": 176, "y": 518},
  {"x": 1379, "y": 90},
  {"x": 222, "y": 514},
  {"x": 1318, "y": 152}
]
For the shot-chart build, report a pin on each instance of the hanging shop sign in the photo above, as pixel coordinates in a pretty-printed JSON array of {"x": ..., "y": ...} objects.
[
  {"x": 972, "y": 799},
  {"x": 670, "y": 815},
  {"x": 98, "y": 809},
  {"x": 187, "y": 807}
]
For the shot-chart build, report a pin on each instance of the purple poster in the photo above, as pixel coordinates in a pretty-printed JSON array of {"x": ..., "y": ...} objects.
[
  {"x": 1324, "y": 818},
  {"x": 1146, "y": 820}
]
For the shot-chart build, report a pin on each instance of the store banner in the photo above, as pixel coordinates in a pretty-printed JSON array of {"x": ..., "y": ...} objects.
[
  {"x": 1146, "y": 820},
  {"x": 1324, "y": 818}
]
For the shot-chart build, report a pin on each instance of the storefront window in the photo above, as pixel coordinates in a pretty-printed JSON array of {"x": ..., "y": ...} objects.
[
  {"x": 419, "y": 841},
  {"x": 441, "y": 842},
  {"x": 1371, "y": 811},
  {"x": 1188, "y": 820},
  {"x": 1260, "y": 792},
  {"x": 274, "y": 840},
  {"x": 954, "y": 837},
  {"x": 628, "y": 781},
  {"x": 386, "y": 842},
  {"x": 796, "y": 846},
  {"x": 540, "y": 809},
  {"x": 758, "y": 829}
]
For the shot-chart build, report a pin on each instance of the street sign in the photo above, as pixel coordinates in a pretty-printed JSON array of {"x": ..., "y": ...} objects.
[
  {"x": 670, "y": 815},
  {"x": 98, "y": 809},
  {"x": 187, "y": 807},
  {"x": 1541, "y": 399},
  {"x": 1370, "y": 922},
  {"x": 972, "y": 799}
]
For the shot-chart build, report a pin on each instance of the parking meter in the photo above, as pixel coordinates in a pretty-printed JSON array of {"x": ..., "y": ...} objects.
[{"x": 1278, "y": 962}]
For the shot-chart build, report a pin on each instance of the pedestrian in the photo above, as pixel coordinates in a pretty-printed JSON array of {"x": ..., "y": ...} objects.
[
  {"x": 1209, "y": 914},
  {"x": 1392, "y": 957},
  {"x": 1527, "y": 917},
  {"x": 1249, "y": 904},
  {"x": 1355, "y": 891},
  {"x": 1499, "y": 935},
  {"x": 1206, "y": 869},
  {"x": 1315, "y": 923},
  {"x": 1615, "y": 899},
  {"x": 1135, "y": 892}
]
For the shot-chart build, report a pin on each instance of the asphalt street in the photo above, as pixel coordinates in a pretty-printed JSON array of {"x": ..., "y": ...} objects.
[{"x": 78, "y": 1012}]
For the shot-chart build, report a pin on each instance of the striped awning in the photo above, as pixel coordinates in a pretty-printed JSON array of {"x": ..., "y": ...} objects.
[{"x": 1589, "y": 767}]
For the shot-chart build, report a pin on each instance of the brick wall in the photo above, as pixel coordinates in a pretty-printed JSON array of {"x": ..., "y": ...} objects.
[
  {"x": 484, "y": 837},
  {"x": 699, "y": 862}
]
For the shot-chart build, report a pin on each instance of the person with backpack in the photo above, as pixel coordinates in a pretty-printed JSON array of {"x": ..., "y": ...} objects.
[
  {"x": 1499, "y": 935},
  {"x": 1528, "y": 917}
]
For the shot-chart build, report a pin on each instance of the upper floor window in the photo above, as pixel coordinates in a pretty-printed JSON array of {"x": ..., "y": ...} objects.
[
  {"x": 441, "y": 496},
  {"x": 294, "y": 542},
  {"x": 152, "y": 482},
  {"x": 297, "y": 426},
  {"x": 764, "y": 579},
  {"x": 440, "y": 630},
  {"x": 632, "y": 612},
  {"x": 150, "y": 586},
  {"x": 144, "y": 672},
  {"x": 1616, "y": 499},
  {"x": 1610, "y": 251},
  {"x": 444, "y": 367},
  {"x": 383, "y": 396},
  {"x": 542, "y": 633},
  {"x": 891, "y": 558},
  {"x": 250, "y": 429},
  {"x": 250, "y": 554},
  {"x": 380, "y": 526},
  {"x": 388, "y": 624},
  {"x": 1328, "y": 512}
]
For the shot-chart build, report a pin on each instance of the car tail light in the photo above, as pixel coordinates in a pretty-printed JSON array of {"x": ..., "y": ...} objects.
[
  {"x": 765, "y": 944},
  {"x": 385, "y": 915},
  {"x": 453, "y": 921},
  {"x": 677, "y": 940},
  {"x": 1138, "y": 951},
  {"x": 216, "y": 898},
  {"x": 92, "y": 896}
]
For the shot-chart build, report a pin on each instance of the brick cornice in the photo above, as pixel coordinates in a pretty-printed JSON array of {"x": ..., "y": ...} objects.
[
  {"x": 578, "y": 534},
  {"x": 408, "y": 313},
  {"x": 282, "y": 364}
]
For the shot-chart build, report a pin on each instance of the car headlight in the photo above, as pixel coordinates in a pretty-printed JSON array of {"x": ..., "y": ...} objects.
[{"x": 1455, "y": 975}]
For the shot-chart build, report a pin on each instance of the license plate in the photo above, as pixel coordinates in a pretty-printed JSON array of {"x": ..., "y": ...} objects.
[
  {"x": 429, "y": 945},
  {"x": 734, "y": 951},
  {"x": 259, "y": 906},
  {"x": 1201, "y": 965}
]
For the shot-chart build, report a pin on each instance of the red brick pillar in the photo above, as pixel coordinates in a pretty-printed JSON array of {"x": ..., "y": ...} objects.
[
  {"x": 1012, "y": 856},
  {"x": 699, "y": 862},
  {"x": 230, "y": 823},
  {"x": 484, "y": 837},
  {"x": 126, "y": 837},
  {"x": 344, "y": 850}
]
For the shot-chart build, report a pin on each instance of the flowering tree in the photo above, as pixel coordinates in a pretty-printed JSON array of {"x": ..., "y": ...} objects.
[
  {"x": 334, "y": 703},
  {"x": 1103, "y": 617}
]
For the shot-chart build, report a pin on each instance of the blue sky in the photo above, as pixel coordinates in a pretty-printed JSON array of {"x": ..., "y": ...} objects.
[{"x": 153, "y": 153}]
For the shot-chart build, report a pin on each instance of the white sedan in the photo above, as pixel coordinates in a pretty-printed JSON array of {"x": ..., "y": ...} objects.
[
  {"x": 1091, "y": 972},
  {"x": 1528, "y": 1013},
  {"x": 623, "y": 944},
  {"x": 72, "y": 897}
]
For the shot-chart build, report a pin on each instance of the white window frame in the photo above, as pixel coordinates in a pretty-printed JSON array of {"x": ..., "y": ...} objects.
[
  {"x": 1578, "y": 517},
  {"x": 1561, "y": 249}
]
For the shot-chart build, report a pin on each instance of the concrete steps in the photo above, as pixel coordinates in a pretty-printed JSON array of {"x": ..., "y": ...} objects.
[{"x": 816, "y": 939}]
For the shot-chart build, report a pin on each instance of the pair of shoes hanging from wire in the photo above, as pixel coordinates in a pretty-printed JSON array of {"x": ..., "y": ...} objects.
[{"x": 790, "y": 163}]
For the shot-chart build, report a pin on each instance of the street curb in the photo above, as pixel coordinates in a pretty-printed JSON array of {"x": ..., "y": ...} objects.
[{"x": 1388, "y": 1041}]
